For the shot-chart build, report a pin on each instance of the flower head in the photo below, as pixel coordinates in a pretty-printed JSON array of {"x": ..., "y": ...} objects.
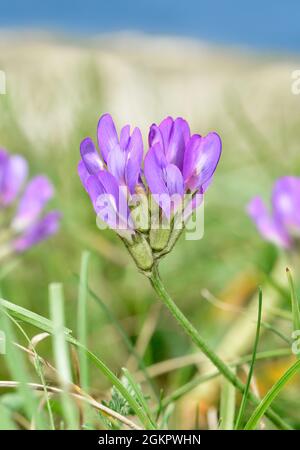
[
  {"x": 282, "y": 225},
  {"x": 175, "y": 164},
  {"x": 13, "y": 173},
  {"x": 178, "y": 163},
  {"x": 111, "y": 176},
  {"x": 25, "y": 204}
]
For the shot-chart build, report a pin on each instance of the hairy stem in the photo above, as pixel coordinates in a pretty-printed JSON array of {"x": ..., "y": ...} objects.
[{"x": 204, "y": 347}]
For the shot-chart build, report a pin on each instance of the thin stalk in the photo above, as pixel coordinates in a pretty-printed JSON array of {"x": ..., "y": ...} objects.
[
  {"x": 61, "y": 352},
  {"x": 271, "y": 395},
  {"x": 246, "y": 392},
  {"x": 82, "y": 320},
  {"x": 204, "y": 347}
]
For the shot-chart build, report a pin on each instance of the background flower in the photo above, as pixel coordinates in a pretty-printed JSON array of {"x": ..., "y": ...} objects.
[
  {"x": 282, "y": 225},
  {"x": 29, "y": 225}
]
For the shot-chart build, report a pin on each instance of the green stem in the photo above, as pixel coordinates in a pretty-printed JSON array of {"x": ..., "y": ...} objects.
[{"x": 204, "y": 347}]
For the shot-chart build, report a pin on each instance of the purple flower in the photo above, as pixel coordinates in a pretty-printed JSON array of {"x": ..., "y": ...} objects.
[
  {"x": 13, "y": 173},
  {"x": 282, "y": 225},
  {"x": 28, "y": 226},
  {"x": 38, "y": 231},
  {"x": 111, "y": 176},
  {"x": 37, "y": 193},
  {"x": 178, "y": 163}
]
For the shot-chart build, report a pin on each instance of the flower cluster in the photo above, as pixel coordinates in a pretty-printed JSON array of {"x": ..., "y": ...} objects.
[
  {"x": 282, "y": 225},
  {"x": 23, "y": 223},
  {"x": 122, "y": 186}
]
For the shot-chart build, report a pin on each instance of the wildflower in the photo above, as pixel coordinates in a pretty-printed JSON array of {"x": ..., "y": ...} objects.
[
  {"x": 176, "y": 164},
  {"x": 21, "y": 207},
  {"x": 282, "y": 225},
  {"x": 111, "y": 178},
  {"x": 179, "y": 165}
]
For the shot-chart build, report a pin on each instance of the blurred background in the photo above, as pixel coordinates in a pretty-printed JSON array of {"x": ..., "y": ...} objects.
[{"x": 223, "y": 67}]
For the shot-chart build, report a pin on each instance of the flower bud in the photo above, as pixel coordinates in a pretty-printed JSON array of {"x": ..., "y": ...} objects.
[
  {"x": 159, "y": 238},
  {"x": 140, "y": 252}
]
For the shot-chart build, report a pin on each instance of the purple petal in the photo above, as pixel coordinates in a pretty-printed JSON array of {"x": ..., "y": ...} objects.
[
  {"x": 107, "y": 135},
  {"x": 83, "y": 174},
  {"x": 268, "y": 227},
  {"x": 174, "y": 180},
  {"x": 134, "y": 159},
  {"x": 13, "y": 173},
  {"x": 178, "y": 139},
  {"x": 109, "y": 200},
  {"x": 90, "y": 156},
  {"x": 153, "y": 170},
  {"x": 200, "y": 161},
  {"x": 37, "y": 193},
  {"x": 124, "y": 137},
  {"x": 286, "y": 202},
  {"x": 94, "y": 189},
  {"x": 164, "y": 180},
  {"x": 173, "y": 135},
  {"x": 38, "y": 232},
  {"x": 161, "y": 134},
  {"x": 116, "y": 162}
]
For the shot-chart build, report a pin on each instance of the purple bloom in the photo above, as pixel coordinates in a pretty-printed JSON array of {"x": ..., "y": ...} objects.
[
  {"x": 111, "y": 176},
  {"x": 38, "y": 231},
  {"x": 282, "y": 225},
  {"x": 13, "y": 173},
  {"x": 28, "y": 225},
  {"x": 178, "y": 163},
  {"x": 37, "y": 193}
]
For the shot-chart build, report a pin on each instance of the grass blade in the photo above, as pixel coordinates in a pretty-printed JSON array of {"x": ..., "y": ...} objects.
[
  {"x": 125, "y": 339},
  {"x": 17, "y": 368},
  {"x": 30, "y": 317},
  {"x": 196, "y": 381},
  {"x": 61, "y": 354},
  {"x": 294, "y": 301},
  {"x": 245, "y": 395},
  {"x": 140, "y": 397},
  {"x": 227, "y": 406},
  {"x": 82, "y": 320},
  {"x": 271, "y": 395},
  {"x": 47, "y": 325}
]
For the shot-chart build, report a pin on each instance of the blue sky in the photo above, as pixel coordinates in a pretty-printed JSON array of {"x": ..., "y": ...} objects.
[{"x": 262, "y": 24}]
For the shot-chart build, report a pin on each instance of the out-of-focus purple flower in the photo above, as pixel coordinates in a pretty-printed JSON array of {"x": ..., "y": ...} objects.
[
  {"x": 38, "y": 231},
  {"x": 178, "y": 163},
  {"x": 28, "y": 225},
  {"x": 13, "y": 173},
  {"x": 37, "y": 193},
  {"x": 282, "y": 225},
  {"x": 112, "y": 175}
]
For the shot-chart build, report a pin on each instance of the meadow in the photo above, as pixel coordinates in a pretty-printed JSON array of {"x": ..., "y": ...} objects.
[{"x": 56, "y": 90}]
